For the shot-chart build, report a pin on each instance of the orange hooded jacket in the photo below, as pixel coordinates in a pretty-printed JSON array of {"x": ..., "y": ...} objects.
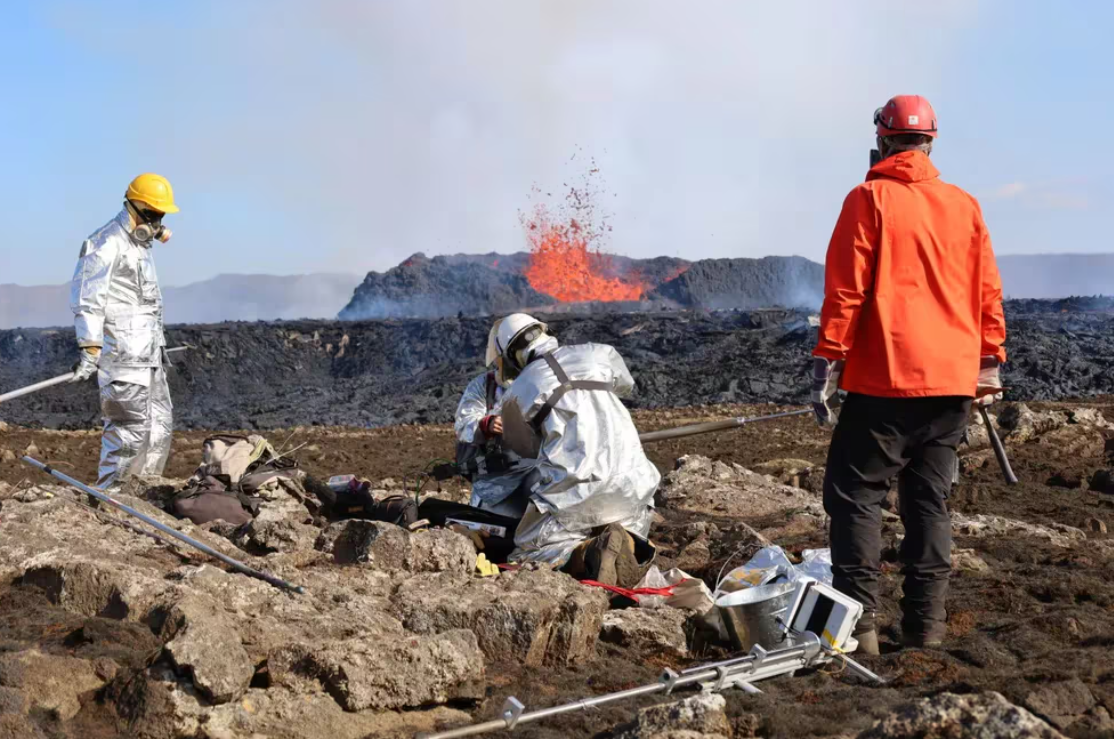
[{"x": 912, "y": 296}]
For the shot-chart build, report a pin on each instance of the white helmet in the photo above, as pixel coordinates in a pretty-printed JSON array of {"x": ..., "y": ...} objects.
[
  {"x": 492, "y": 349},
  {"x": 517, "y": 336}
]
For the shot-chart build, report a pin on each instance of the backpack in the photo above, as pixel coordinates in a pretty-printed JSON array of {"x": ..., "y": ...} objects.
[
  {"x": 237, "y": 458},
  {"x": 225, "y": 486},
  {"x": 356, "y": 501}
]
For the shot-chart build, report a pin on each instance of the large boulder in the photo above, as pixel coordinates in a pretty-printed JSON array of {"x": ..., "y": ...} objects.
[
  {"x": 203, "y": 643},
  {"x": 948, "y": 716},
  {"x": 280, "y": 712},
  {"x": 700, "y": 485},
  {"x": 90, "y": 562},
  {"x": 648, "y": 631},
  {"x": 391, "y": 548},
  {"x": 90, "y": 585},
  {"x": 532, "y": 616},
  {"x": 283, "y": 524},
  {"x": 47, "y": 682},
  {"x": 1062, "y": 703},
  {"x": 18, "y": 726},
  {"x": 159, "y": 705},
  {"x": 981, "y": 525},
  {"x": 366, "y": 673},
  {"x": 1020, "y": 424},
  {"x": 702, "y": 716},
  {"x": 1073, "y": 441}
]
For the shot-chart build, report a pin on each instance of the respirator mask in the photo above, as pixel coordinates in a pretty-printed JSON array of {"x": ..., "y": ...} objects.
[{"x": 149, "y": 226}]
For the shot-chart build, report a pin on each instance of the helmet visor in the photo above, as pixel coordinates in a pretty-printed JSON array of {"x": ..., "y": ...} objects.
[{"x": 516, "y": 351}]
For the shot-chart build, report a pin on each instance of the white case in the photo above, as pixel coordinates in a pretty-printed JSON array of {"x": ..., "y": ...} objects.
[{"x": 826, "y": 612}]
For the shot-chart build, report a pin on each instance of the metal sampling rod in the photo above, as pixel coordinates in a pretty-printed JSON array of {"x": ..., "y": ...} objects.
[
  {"x": 59, "y": 380},
  {"x": 759, "y": 664},
  {"x": 999, "y": 448},
  {"x": 704, "y": 428},
  {"x": 101, "y": 496}
]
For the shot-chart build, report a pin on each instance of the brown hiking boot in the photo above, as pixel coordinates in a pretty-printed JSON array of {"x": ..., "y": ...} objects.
[
  {"x": 868, "y": 641},
  {"x": 610, "y": 559},
  {"x": 930, "y": 637}
]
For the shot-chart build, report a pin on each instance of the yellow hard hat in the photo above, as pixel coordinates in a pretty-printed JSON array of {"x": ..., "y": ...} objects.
[{"x": 154, "y": 191}]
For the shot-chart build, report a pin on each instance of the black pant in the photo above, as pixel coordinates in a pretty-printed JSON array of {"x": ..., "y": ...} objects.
[{"x": 876, "y": 439}]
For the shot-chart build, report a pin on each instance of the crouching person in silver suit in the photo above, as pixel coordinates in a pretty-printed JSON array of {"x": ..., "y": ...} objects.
[{"x": 118, "y": 318}]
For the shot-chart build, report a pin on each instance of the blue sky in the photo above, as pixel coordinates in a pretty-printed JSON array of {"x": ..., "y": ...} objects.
[{"x": 343, "y": 135}]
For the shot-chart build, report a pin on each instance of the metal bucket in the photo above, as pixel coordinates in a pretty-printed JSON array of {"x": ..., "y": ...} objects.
[{"x": 757, "y": 615}]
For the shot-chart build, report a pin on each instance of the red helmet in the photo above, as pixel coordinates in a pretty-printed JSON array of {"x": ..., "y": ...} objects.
[{"x": 906, "y": 114}]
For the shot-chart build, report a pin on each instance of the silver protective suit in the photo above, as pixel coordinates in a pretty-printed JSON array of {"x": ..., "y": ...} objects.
[
  {"x": 117, "y": 305},
  {"x": 593, "y": 470},
  {"x": 488, "y": 491}
]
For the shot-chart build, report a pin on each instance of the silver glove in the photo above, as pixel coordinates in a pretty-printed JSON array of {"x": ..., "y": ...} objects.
[{"x": 86, "y": 366}]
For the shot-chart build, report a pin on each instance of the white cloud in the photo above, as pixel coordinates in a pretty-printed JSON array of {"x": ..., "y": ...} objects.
[
  {"x": 1009, "y": 192},
  {"x": 1049, "y": 196}
]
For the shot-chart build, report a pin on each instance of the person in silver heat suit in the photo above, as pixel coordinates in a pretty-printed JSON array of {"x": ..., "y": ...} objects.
[
  {"x": 118, "y": 319},
  {"x": 564, "y": 411},
  {"x": 478, "y": 423}
]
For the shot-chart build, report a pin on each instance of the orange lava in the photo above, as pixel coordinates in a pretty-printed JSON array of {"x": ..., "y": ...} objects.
[{"x": 563, "y": 264}]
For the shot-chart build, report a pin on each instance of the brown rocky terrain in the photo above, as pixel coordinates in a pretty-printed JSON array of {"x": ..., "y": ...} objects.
[{"x": 107, "y": 633}]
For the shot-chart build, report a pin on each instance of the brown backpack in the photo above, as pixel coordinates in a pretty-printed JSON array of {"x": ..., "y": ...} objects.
[{"x": 232, "y": 470}]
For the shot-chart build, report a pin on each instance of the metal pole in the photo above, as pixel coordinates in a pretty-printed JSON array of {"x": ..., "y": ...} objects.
[
  {"x": 59, "y": 380},
  {"x": 761, "y": 663},
  {"x": 856, "y": 668},
  {"x": 101, "y": 496},
  {"x": 704, "y": 428},
  {"x": 36, "y": 387},
  {"x": 999, "y": 448}
]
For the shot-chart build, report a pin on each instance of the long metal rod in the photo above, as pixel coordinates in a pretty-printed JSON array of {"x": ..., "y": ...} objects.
[
  {"x": 764, "y": 665},
  {"x": 999, "y": 448},
  {"x": 36, "y": 387},
  {"x": 101, "y": 496},
  {"x": 59, "y": 380},
  {"x": 857, "y": 668},
  {"x": 705, "y": 428}
]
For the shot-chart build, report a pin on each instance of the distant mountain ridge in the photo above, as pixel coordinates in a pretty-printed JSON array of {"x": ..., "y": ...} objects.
[
  {"x": 221, "y": 298},
  {"x": 712, "y": 284},
  {"x": 1056, "y": 275}
]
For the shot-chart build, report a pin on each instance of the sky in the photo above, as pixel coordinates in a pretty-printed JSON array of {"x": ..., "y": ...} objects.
[{"x": 345, "y": 135}]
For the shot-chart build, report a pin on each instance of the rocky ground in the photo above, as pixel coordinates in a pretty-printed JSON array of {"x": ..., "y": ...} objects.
[{"x": 107, "y": 633}]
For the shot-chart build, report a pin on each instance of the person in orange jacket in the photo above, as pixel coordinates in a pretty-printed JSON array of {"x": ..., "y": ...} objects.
[{"x": 912, "y": 330}]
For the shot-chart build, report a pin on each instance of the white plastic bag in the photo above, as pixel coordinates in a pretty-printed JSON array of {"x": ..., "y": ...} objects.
[
  {"x": 817, "y": 564},
  {"x": 688, "y": 591},
  {"x": 772, "y": 564}
]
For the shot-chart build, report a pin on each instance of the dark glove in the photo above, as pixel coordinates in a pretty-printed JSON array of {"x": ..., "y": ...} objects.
[
  {"x": 825, "y": 389},
  {"x": 86, "y": 365},
  {"x": 446, "y": 471}
]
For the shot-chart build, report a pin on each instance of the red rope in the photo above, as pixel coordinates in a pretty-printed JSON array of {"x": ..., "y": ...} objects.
[{"x": 628, "y": 592}]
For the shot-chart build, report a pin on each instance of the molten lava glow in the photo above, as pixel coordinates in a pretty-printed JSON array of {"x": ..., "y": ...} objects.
[{"x": 563, "y": 265}]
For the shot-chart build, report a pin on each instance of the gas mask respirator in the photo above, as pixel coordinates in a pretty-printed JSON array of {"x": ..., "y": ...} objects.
[{"x": 151, "y": 227}]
